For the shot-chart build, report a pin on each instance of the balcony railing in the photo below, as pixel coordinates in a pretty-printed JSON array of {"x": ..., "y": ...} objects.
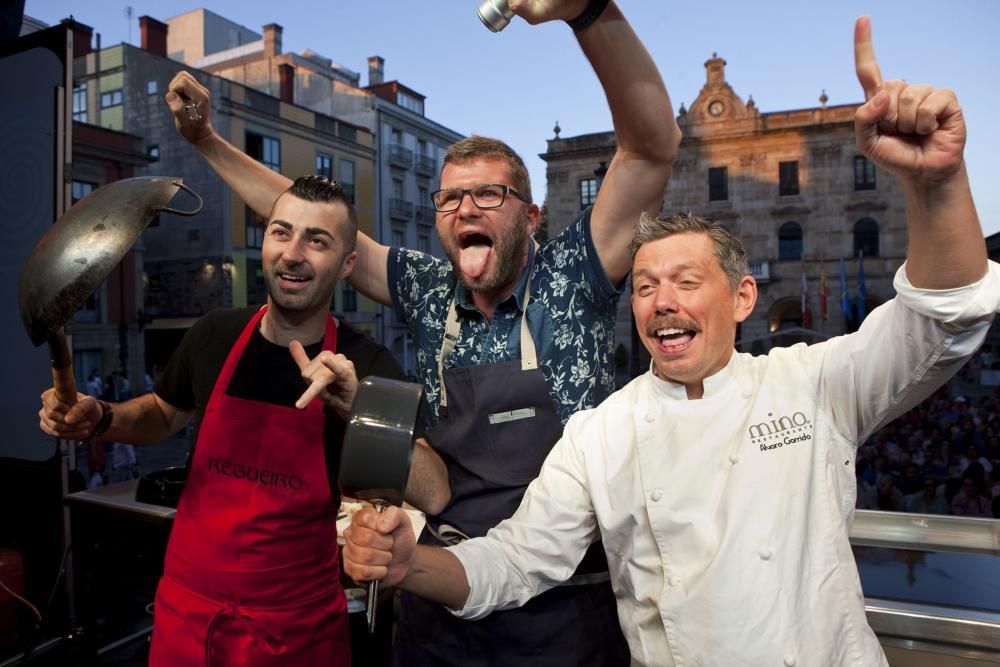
[
  {"x": 761, "y": 271},
  {"x": 400, "y": 156},
  {"x": 425, "y": 165},
  {"x": 425, "y": 214},
  {"x": 400, "y": 209}
]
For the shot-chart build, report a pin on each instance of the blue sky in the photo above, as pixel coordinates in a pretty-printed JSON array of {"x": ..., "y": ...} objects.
[{"x": 515, "y": 85}]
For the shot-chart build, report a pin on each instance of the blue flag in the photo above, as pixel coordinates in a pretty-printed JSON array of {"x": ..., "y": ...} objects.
[
  {"x": 862, "y": 290},
  {"x": 845, "y": 297}
]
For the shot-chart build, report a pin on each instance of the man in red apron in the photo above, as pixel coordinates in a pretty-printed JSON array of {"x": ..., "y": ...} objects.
[{"x": 251, "y": 575}]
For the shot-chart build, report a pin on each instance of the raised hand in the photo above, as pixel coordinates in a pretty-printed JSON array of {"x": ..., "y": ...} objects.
[
  {"x": 379, "y": 546},
  {"x": 915, "y": 132},
  {"x": 539, "y": 11},
  {"x": 331, "y": 378},
  {"x": 74, "y": 422},
  {"x": 190, "y": 104}
]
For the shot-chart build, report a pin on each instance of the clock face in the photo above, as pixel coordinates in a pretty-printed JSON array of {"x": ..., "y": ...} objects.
[{"x": 715, "y": 108}]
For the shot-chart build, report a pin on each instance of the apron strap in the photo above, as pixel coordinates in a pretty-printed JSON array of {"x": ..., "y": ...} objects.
[{"x": 452, "y": 329}]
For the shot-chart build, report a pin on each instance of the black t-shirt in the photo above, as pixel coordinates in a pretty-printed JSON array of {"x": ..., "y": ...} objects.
[{"x": 266, "y": 372}]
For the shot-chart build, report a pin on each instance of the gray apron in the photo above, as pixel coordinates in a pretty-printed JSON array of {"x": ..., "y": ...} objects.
[{"x": 497, "y": 425}]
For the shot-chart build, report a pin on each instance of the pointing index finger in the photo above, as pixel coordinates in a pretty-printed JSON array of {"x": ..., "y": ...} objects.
[
  {"x": 869, "y": 75},
  {"x": 299, "y": 354}
]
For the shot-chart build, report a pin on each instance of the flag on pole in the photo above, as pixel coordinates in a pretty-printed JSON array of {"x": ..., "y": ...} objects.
[
  {"x": 862, "y": 290},
  {"x": 805, "y": 300},
  {"x": 845, "y": 297},
  {"x": 823, "y": 294}
]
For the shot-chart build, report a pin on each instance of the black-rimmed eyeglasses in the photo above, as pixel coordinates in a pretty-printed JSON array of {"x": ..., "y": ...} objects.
[{"x": 487, "y": 195}]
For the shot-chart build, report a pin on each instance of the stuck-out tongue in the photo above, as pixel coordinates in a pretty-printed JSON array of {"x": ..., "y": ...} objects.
[{"x": 473, "y": 259}]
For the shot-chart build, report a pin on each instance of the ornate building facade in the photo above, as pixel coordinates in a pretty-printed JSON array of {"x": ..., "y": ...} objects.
[{"x": 791, "y": 184}]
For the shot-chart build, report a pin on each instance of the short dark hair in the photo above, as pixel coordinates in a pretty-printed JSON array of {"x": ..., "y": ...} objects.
[
  {"x": 475, "y": 147},
  {"x": 324, "y": 190},
  {"x": 728, "y": 249}
]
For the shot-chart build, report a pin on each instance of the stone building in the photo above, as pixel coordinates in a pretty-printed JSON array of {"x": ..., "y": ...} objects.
[
  {"x": 212, "y": 260},
  {"x": 408, "y": 145},
  {"x": 791, "y": 184}
]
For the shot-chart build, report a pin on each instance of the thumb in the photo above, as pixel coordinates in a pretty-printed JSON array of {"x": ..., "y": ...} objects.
[
  {"x": 174, "y": 101},
  {"x": 390, "y": 520},
  {"x": 866, "y": 120}
]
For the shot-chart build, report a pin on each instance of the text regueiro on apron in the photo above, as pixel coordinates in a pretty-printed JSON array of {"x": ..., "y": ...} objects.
[{"x": 251, "y": 574}]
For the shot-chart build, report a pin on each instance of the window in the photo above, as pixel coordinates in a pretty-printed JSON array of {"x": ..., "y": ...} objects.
[
  {"x": 80, "y": 103},
  {"x": 112, "y": 98},
  {"x": 398, "y": 238},
  {"x": 788, "y": 178},
  {"x": 407, "y": 101},
  {"x": 588, "y": 192},
  {"x": 154, "y": 151},
  {"x": 255, "y": 226},
  {"x": 256, "y": 287},
  {"x": 866, "y": 237},
  {"x": 347, "y": 177},
  {"x": 266, "y": 150},
  {"x": 789, "y": 241},
  {"x": 397, "y": 188},
  {"x": 864, "y": 173},
  {"x": 424, "y": 243},
  {"x": 81, "y": 189},
  {"x": 396, "y": 136},
  {"x": 324, "y": 165},
  {"x": 151, "y": 87},
  {"x": 421, "y": 147},
  {"x": 349, "y": 298},
  {"x": 718, "y": 184}
]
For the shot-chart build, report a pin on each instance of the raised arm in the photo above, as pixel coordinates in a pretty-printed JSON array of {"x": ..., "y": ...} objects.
[
  {"x": 255, "y": 183},
  {"x": 647, "y": 134},
  {"x": 917, "y": 133}
]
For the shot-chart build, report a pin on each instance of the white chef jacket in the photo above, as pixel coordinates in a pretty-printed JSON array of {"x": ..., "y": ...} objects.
[{"x": 725, "y": 519}]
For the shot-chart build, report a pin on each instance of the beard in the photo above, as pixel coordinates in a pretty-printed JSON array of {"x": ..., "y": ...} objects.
[
  {"x": 509, "y": 247},
  {"x": 306, "y": 300}
]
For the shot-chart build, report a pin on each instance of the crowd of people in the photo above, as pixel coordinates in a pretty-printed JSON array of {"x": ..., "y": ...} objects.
[
  {"x": 107, "y": 461},
  {"x": 941, "y": 457}
]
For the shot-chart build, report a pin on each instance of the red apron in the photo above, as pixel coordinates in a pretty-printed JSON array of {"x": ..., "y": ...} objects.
[{"x": 251, "y": 576}]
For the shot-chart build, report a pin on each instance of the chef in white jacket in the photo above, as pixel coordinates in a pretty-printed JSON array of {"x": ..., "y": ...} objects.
[{"x": 723, "y": 483}]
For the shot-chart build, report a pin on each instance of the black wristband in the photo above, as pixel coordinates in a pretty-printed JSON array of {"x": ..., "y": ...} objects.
[
  {"x": 593, "y": 12},
  {"x": 104, "y": 423}
]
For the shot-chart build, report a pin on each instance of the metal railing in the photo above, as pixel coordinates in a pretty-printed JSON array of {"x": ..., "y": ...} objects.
[
  {"x": 400, "y": 209},
  {"x": 400, "y": 156},
  {"x": 939, "y": 633},
  {"x": 425, "y": 165}
]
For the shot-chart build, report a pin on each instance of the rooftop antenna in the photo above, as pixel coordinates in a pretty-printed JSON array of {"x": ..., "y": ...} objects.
[{"x": 129, "y": 13}]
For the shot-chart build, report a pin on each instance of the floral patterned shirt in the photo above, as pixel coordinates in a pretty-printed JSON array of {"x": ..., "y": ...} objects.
[{"x": 571, "y": 317}]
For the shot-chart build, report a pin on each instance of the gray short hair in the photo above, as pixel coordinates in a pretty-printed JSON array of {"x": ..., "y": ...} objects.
[{"x": 728, "y": 249}]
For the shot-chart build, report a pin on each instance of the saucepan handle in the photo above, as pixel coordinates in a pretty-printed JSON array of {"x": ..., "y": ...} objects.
[{"x": 167, "y": 209}]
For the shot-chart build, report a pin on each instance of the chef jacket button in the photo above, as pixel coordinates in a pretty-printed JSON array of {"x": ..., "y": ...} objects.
[
  {"x": 734, "y": 459},
  {"x": 655, "y": 496},
  {"x": 673, "y": 581},
  {"x": 650, "y": 417},
  {"x": 765, "y": 554},
  {"x": 790, "y": 661},
  {"x": 747, "y": 392}
]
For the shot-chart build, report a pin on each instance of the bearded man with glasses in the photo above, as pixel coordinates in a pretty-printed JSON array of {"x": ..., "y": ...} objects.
[{"x": 512, "y": 337}]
